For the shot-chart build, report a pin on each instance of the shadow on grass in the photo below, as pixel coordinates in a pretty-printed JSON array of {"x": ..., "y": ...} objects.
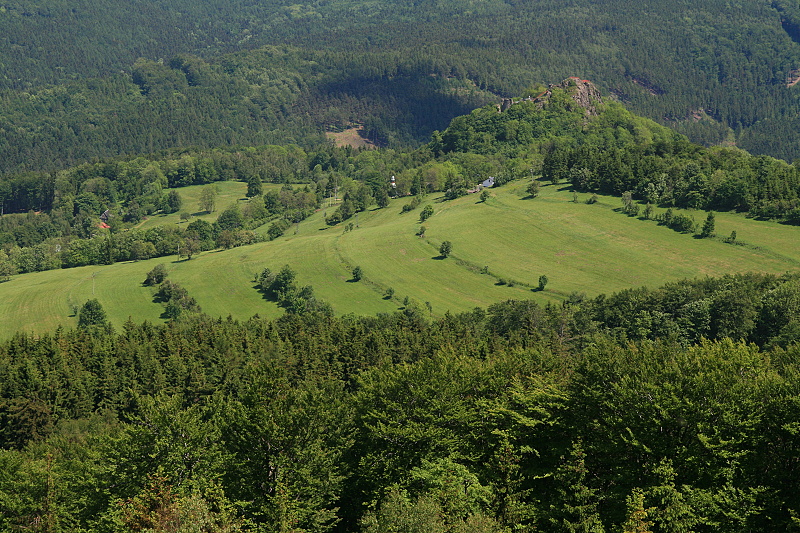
[{"x": 439, "y": 257}]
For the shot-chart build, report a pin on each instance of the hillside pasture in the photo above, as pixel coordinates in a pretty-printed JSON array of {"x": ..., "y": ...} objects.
[
  {"x": 500, "y": 248},
  {"x": 228, "y": 193}
]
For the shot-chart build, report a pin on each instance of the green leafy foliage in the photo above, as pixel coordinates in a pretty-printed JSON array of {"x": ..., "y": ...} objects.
[
  {"x": 92, "y": 315},
  {"x": 554, "y": 418}
]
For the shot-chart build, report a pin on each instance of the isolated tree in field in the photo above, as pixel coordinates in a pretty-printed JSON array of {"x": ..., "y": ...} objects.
[
  {"x": 542, "y": 282},
  {"x": 91, "y": 315},
  {"x": 708, "y": 226},
  {"x": 484, "y": 195},
  {"x": 156, "y": 276},
  {"x": 190, "y": 246},
  {"x": 254, "y": 187},
  {"x": 426, "y": 213},
  {"x": 627, "y": 201},
  {"x": 533, "y": 189},
  {"x": 208, "y": 197},
  {"x": 445, "y": 248},
  {"x": 357, "y": 273}
]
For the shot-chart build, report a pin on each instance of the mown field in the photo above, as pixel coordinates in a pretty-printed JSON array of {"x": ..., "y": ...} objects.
[{"x": 580, "y": 247}]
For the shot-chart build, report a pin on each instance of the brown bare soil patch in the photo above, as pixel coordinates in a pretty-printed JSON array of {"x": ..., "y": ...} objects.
[{"x": 350, "y": 137}]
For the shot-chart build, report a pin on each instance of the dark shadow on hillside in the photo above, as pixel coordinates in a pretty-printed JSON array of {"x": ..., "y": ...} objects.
[{"x": 407, "y": 107}]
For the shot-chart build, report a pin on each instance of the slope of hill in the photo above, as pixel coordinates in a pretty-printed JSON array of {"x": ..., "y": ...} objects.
[{"x": 582, "y": 248}]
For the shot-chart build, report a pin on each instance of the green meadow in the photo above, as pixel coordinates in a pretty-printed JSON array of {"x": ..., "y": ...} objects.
[
  {"x": 228, "y": 193},
  {"x": 580, "y": 247}
]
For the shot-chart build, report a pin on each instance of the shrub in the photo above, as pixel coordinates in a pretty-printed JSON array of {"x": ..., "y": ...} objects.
[
  {"x": 156, "y": 276},
  {"x": 426, "y": 213},
  {"x": 411, "y": 205}
]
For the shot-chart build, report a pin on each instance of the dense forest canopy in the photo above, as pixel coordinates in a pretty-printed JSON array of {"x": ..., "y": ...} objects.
[
  {"x": 514, "y": 418},
  {"x": 74, "y": 86}
]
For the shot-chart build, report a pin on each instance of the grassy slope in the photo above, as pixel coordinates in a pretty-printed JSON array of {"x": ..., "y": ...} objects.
[
  {"x": 228, "y": 193},
  {"x": 580, "y": 247}
]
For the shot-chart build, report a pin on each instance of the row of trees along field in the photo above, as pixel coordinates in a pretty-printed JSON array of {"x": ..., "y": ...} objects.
[
  {"x": 73, "y": 88},
  {"x": 552, "y": 139},
  {"x": 641, "y": 411}
]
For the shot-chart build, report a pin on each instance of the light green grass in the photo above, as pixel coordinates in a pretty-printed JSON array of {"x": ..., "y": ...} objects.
[
  {"x": 581, "y": 248},
  {"x": 228, "y": 193}
]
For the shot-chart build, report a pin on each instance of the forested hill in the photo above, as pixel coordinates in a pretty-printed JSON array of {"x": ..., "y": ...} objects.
[{"x": 717, "y": 71}]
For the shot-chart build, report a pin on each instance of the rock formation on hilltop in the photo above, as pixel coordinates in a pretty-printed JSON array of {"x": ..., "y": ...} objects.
[{"x": 584, "y": 92}]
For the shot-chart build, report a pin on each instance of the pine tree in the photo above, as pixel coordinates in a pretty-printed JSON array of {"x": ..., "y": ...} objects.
[
  {"x": 577, "y": 512},
  {"x": 708, "y": 226},
  {"x": 637, "y": 515}
]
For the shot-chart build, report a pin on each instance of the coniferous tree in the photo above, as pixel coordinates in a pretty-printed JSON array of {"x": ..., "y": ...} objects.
[
  {"x": 576, "y": 510},
  {"x": 708, "y": 226}
]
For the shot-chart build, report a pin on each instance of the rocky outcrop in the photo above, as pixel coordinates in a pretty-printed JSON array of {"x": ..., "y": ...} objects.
[{"x": 584, "y": 92}]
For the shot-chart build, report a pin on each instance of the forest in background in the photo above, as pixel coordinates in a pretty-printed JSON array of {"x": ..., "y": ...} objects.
[{"x": 79, "y": 85}]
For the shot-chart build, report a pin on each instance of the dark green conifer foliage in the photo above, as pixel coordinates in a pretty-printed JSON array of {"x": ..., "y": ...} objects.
[{"x": 577, "y": 509}]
